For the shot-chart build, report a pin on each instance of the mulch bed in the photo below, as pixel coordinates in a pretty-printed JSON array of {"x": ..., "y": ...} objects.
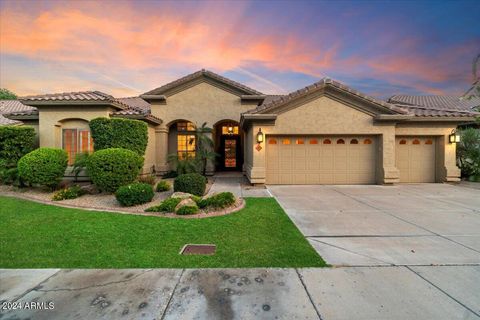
[{"x": 107, "y": 202}]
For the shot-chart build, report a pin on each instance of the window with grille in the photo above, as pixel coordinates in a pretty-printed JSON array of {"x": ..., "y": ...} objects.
[{"x": 186, "y": 143}]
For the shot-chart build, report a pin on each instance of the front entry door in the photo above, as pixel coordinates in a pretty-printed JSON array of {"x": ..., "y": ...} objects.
[{"x": 230, "y": 153}]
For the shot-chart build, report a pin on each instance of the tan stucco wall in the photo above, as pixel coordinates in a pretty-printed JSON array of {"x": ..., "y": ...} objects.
[
  {"x": 51, "y": 118},
  {"x": 326, "y": 116},
  {"x": 150, "y": 154},
  {"x": 201, "y": 103}
]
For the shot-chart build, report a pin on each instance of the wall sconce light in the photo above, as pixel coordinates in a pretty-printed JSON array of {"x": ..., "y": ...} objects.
[
  {"x": 259, "y": 136},
  {"x": 230, "y": 130},
  {"x": 454, "y": 137}
]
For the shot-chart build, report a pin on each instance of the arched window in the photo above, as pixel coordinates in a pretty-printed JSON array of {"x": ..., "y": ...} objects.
[
  {"x": 186, "y": 144},
  {"x": 272, "y": 141},
  {"x": 313, "y": 141},
  {"x": 403, "y": 141},
  {"x": 416, "y": 141},
  {"x": 327, "y": 141},
  {"x": 299, "y": 141},
  {"x": 340, "y": 141},
  {"x": 286, "y": 141},
  {"x": 429, "y": 141},
  {"x": 354, "y": 141},
  {"x": 367, "y": 141}
]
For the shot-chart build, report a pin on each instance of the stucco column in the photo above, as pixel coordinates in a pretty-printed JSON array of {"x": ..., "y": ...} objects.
[
  {"x": 257, "y": 173},
  {"x": 448, "y": 159},
  {"x": 388, "y": 172},
  {"x": 210, "y": 164},
  {"x": 161, "y": 146}
]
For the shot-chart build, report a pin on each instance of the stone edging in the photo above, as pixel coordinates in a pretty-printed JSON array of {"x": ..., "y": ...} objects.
[{"x": 238, "y": 205}]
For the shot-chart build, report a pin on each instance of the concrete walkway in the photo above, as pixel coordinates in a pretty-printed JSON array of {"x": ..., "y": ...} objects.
[
  {"x": 441, "y": 292},
  {"x": 236, "y": 183}
]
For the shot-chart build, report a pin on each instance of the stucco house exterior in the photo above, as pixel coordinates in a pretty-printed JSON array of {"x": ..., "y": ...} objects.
[{"x": 326, "y": 133}]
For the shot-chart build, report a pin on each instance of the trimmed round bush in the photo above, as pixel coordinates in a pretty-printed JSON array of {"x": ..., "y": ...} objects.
[
  {"x": 186, "y": 210},
  {"x": 162, "y": 186},
  {"x": 112, "y": 168},
  {"x": 44, "y": 166},
  {"x": 135, "y": 193},
  {"x": 193, "y": 183}
]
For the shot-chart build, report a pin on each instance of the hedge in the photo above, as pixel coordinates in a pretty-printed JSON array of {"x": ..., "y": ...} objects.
[
  {"x": 44, "y": 166},
  {"x": 15, "y": 142},
  {"x": 119, "y": 133},
  {"x": 112, "y": 168},
  {"x": 193, "y": 183},
  {"x": 134, "y": 194}
]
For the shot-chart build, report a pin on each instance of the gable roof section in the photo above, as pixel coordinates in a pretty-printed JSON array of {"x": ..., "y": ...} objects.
[
  {"x": 452, "y": 103},
  {"x": 73, "y": 98},
  {"x": 15, "y": 109},
  {"x": 199, "y": 75},
  {"x": 328, "y": 86}
]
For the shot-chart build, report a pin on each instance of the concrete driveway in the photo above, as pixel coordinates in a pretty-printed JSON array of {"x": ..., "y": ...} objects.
[{"x": 415, "y": 224}]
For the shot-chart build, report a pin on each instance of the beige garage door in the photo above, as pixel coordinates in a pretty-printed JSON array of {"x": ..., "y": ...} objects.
[
  {"x": 321, "y": 160},
  {"x": 415, "y": 159}
]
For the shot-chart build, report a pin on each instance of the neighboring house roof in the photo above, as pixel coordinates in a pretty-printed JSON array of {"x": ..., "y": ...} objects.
[
  {"x": 200, "y": 74},
  {"x": 437, "y": 102},
  {"x": 12, "y": 108},
  {"x": 277, "y": 101}
]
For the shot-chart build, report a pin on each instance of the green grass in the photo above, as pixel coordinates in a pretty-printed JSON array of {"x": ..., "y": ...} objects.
[{"x": 34, "y": 235}]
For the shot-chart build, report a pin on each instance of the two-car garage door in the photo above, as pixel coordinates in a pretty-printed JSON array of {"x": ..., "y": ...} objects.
[{"x": 321, "y": 159}]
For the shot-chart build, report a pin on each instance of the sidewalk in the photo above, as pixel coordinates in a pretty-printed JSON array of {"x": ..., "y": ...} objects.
[{"x": 323, "y": 293}]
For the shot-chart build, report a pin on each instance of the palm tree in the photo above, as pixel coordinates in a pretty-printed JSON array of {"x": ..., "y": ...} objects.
[{"x": 204, "y": 152}]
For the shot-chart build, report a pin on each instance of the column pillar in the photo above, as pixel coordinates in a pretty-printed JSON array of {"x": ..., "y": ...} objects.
[
  {"x": 161, "y": 147},
  {"x": 389, "y": 172}
]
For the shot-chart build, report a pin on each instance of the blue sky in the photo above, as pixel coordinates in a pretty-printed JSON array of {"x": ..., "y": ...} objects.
[{"x": 128, "y": 47}]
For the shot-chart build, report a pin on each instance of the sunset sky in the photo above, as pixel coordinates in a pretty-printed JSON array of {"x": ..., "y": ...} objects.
[{"x": 125, "y": 48}]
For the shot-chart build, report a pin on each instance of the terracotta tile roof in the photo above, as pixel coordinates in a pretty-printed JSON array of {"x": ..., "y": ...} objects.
[
  {"x": 420, "y": 111},
  {"x": 70, "y": 96},
  {"x": 7, "y": 122},
  {"x": 281, "y": 100},
  {"x": 202, "y": 73},
  {"x": 437, "y": 102},
  {"x": 136, "y": 103},
  {"x": 14, "y": 107}
]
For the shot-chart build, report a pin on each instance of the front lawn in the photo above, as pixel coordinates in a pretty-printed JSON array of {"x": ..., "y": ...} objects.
[{"x": 34, "y": 235}]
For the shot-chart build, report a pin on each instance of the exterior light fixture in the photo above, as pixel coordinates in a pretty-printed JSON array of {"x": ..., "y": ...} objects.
[
  {"x": 230, "y": 130},
  {"x": 454, "y": 137},
  {"x": 259, "y": 136}
]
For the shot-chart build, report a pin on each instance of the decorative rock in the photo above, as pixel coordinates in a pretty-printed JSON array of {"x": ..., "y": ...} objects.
[
  {"x": 181, "y": 195},
  {"x": 185, "y": 202},
  {"x": 90, "y": 189}
]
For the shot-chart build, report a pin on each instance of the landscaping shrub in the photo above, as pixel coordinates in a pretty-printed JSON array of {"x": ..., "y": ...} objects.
[
  {"x": 148, "y": 179},
  {"x": 15, "y": 142},
  {"x": 44, "y": 166},
  {"x": 112, "y": 168},
  {"x": 167, "y": 205},
  {"x": 193, "y": 183},
  {"x": 68, "y": 193},
  {"x": 162, "y": 186},
  {"x": 119, "y": 133},
  {"x": 186, "y": 210},
  {"x": 218, "y": 201},
  {"x": 134, "y": 194},
  {"x": 468, "y": 153}
]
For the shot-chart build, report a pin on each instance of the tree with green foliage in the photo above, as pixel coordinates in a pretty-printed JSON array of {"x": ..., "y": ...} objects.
[
  {"x": 6, "y": 94},
  {"x": 468, "y": 153}
]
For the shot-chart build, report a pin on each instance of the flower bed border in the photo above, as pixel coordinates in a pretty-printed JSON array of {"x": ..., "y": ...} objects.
[{"x": 238, "y": 205}]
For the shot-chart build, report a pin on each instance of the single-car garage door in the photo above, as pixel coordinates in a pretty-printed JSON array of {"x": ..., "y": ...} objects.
[
  {"x": 321, "y": 160},
  {"x": 415, "y": 159}
]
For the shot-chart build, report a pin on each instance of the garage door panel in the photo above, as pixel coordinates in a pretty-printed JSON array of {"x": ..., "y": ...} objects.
[
  {"x": 321, "y": 160},
  {"x": 415, "y": 159}
]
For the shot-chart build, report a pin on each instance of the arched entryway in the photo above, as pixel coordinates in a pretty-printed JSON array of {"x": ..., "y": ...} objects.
[{"x": 228, "y": 137}]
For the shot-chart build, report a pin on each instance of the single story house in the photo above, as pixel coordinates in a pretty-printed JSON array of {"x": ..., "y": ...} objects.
[{"x": 326, "y": 133}]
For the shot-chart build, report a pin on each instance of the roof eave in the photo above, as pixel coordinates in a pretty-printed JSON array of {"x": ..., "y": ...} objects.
[
  {"x": 147, "y": 118},
  {"x": 72, "y": 103},
  {"x": 153, "y": 97},
  {"x": 248, "y": 118}
]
